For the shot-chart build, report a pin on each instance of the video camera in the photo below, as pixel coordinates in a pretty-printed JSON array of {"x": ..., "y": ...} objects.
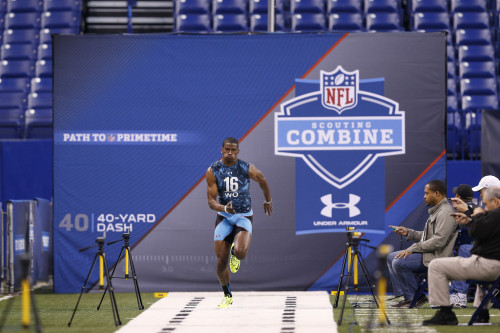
[
  {"x": 352, "y": 233},
  {"x": 354, "y": 236}
]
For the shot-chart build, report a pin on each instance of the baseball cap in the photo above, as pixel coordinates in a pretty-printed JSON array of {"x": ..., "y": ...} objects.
[
  {"x": 464, "y": 191},
  {"x": 486, "y": 182}
]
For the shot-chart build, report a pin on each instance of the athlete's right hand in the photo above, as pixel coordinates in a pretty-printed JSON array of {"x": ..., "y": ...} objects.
[{"x": 229, "y": 208}]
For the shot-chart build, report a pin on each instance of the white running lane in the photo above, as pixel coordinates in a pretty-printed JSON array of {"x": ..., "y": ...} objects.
[{"x": 262, "y": 312}]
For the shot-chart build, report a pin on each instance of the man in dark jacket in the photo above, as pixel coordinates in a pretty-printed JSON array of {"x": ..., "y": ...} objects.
[{"x": 483, "y": 264}]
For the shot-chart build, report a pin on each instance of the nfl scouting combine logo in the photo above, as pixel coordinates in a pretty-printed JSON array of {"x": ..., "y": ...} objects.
[{"x": 339, "y": 123}]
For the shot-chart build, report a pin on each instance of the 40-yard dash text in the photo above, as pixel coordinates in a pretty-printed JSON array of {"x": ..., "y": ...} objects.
[{"x": 104, "y": 222}]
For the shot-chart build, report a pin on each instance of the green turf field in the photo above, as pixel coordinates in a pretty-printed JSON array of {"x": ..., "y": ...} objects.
[
  {"x": 55, "y": 312},
  {"x": 364, "y": 318}
]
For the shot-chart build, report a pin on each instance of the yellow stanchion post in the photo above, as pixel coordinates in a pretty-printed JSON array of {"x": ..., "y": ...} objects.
[
  {"x": 101, "y": 273},
  {"x": 25, "y": 303},
  {"x": 355, "y": 271},
  {"x": 382, "y": 251},
  {"x": 349, "y": 259},
  {"x": 126, "y": 263}
]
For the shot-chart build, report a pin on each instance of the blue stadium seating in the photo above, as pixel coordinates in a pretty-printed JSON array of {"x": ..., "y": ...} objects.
[
  {"x": 453, "y": 132},
  {"x": 345, "y": 22},
  {"x": 258, "y": 22},
  {"x": 468, "y": 5},
  {"x": 472, "y": 133},
  {"x": 45, "y": 51},
  {"x": 383, "y": 22},
  {"x": 41, "y": 84},
  {"x": 479, "y": 102},
  {"x": 229, "y": 7},
  {"x": 230, "y": 23},
  {"x": 15, "y": 36},
  {"x": 11, "y": 123},
  {"x": 431, "y": 21},
  {"x": 3, "y": 7},
  {"x": 260, "y": 6},
  {"x": 419, "y": 6},
  {"x": 192, "y": 7},
  {"x": 478, "y": 86},
  {"x": 477, "y": 69},
  {"x": 16, "y": 68},
  {"x": 14, "y": 84},
  {"x": 12, "y": 100},
  {"x": 381, "y": 6},
  {"x": 193, "y": 23},
  {"x": 307, "y": 6},
  {"x": 343, "y": 6},
  {"x": 19, "y": 6},
  {"x": 451, "y": 69},
  {"x": 61, "y": 5},
  {"x": 22, "y": 20},
  {"x": 40, "y": 100},
  {"x": 452, "y": 86},
  {"x": 476, "y": 53},
  {"x": 452, "y": 102},
  {"x": 18, "y": 52},
  {"x": 473, "y": 37},
  {"x": 308, "y": 22},
  {"x": 46, "y": 34},
  {"x": 11, "y": 113},
  {"x": 63, "y": 19},
  {"x": 450, "y": 52},
  {"x": 43, "y": 68},
  {"x": 470, "y": 20},
  {"x": 38, "y": 123}
]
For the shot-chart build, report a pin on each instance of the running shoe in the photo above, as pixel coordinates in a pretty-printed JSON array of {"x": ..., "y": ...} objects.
[
  {"x": 226, "y": 302},
  {"x": 234, "y": 263},
  {"x": 458, "y": 300}
]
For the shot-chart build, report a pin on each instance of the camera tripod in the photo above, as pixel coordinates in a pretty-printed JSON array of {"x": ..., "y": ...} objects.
[
  {"x": 352, "y": 255},
  {"x": 102, "y": 263},
  {"x": 128, "y": 261}
]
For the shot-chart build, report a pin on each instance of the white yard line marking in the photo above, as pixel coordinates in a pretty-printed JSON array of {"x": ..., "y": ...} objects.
[
  {"x": 251, "y": 312},
  {"x": 6, "y": 297}
]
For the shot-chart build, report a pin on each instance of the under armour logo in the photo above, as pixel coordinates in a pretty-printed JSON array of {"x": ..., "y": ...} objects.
[{"x": 329, "y": 205}]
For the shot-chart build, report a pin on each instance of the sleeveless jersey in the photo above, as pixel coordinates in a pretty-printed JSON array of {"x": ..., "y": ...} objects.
[{"x": 233, "y": 184}]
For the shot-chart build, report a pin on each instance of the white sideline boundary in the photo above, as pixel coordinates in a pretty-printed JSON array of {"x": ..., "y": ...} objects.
[{"x": 262, "y": 312}]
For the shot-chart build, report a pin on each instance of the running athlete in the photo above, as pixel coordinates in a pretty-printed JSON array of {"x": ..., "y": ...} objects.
[{"x": 229, "y": 179}]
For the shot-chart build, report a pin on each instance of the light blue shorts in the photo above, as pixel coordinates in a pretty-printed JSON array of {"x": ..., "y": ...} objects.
[{"x": 228, "y": 225}]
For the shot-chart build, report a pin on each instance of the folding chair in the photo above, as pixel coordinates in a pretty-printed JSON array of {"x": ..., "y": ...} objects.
[
  {"x": 491, "y": 294},
  {"x": 422, "y": 286}
]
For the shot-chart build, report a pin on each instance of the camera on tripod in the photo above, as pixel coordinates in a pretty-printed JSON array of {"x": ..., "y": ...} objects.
[
  {"x": 353, "y": 234},
  {"x": 100, "y": 241}
]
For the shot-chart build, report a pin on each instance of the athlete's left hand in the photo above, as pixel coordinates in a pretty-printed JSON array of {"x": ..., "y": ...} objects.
[{"x": 268, "y": 208}]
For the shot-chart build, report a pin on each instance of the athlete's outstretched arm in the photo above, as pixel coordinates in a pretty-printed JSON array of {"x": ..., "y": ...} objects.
[
  {"x": 256, "y": 175},
  {"x": 212, "y": 195}
]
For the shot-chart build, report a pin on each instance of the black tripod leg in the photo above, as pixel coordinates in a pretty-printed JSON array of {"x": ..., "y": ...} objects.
[
  {"x": 341, "y": 277},
  {"x": 111, "y": 293},
  {"x": 38, "y": 325},
  {"x": 134, "y": 276},
  {"x": 365, "y": 273},
  {"x": 346, "y": 288},
  {"x": 112, "y": 274},
  {"x": 83, "y": 288}
]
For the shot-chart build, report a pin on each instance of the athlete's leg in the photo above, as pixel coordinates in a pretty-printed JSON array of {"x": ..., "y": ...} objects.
[
  {"x": 222, "y": 253},
  {"x": 242, "y": 244}
]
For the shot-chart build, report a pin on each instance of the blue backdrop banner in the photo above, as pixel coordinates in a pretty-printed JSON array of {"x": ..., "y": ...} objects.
[{"x": 334, "y": 122}]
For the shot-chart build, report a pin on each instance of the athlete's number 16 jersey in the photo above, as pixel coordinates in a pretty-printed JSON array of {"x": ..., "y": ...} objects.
[{"x": 233, "y": 184}]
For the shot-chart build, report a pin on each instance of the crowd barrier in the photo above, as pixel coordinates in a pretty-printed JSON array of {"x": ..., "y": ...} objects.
[{"x": 27, "y": 229}]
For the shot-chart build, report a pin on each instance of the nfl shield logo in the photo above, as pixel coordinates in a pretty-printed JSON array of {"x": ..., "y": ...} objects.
[{"x": 339, "y": 89}]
